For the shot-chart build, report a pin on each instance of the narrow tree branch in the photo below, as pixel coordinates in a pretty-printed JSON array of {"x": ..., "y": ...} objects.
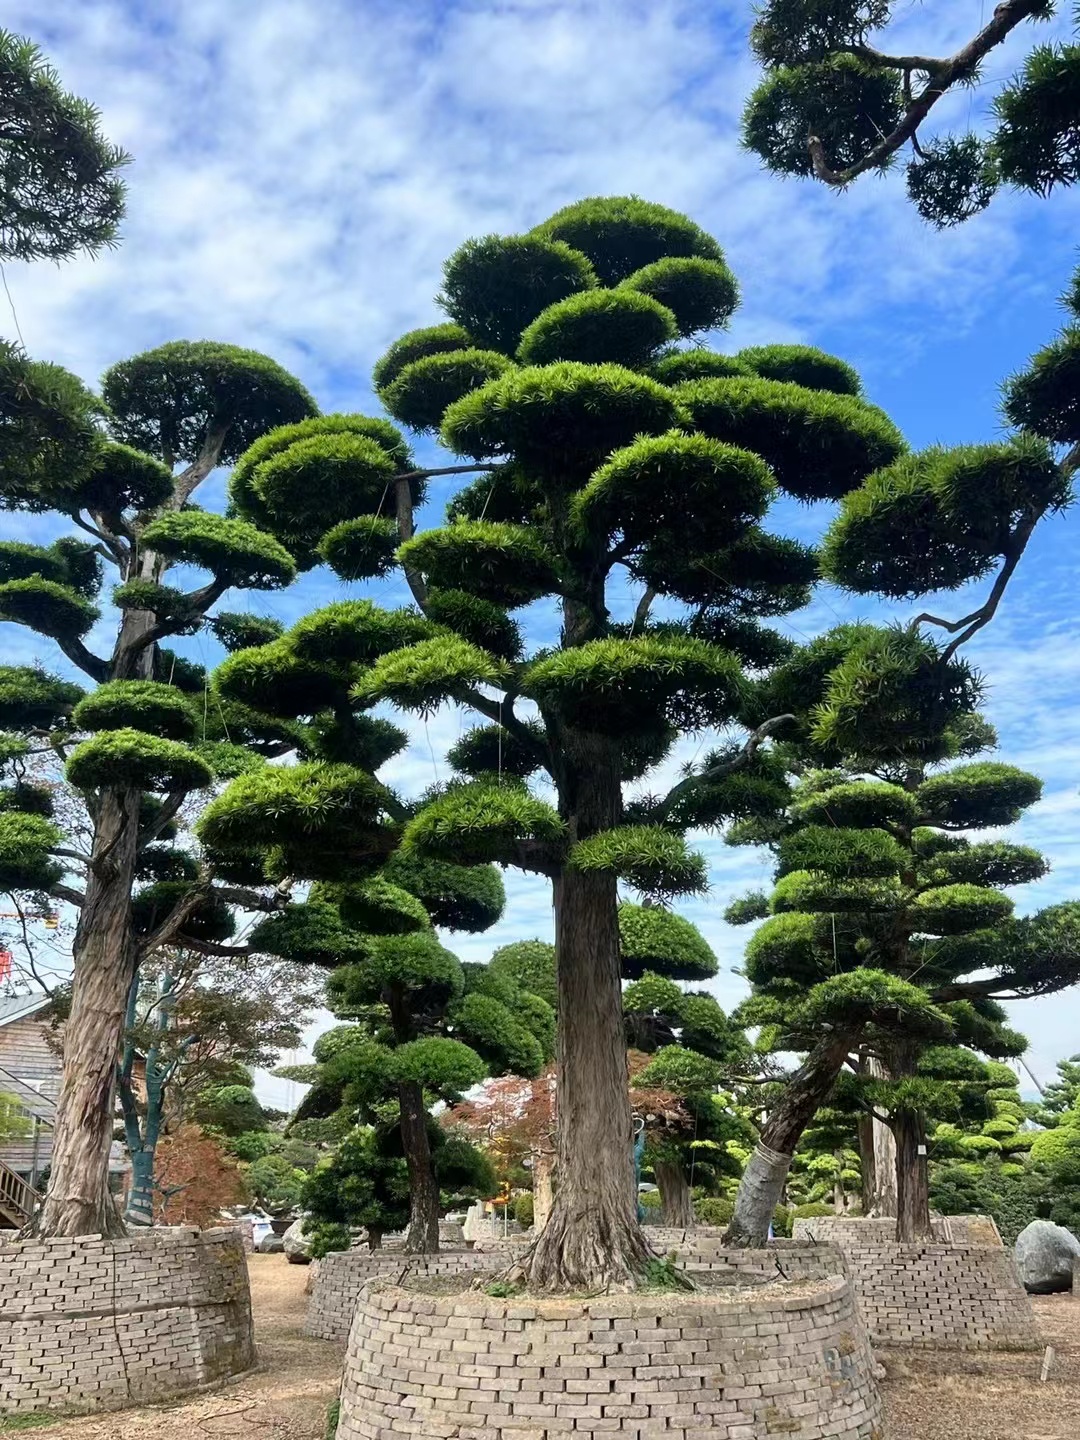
[
  {"x": 445, "y": 470},
  {"x": 89, "y": 663},
  {"x": 190, "y": 479},
  {"x": 726, "y": 767},
  {"x": 644, "y": 605},
  {"x": 403, "y": 506},
  {"x": 174, "y": 922},
  {"x": 169, "y": 809},
  {"x": 943, "y": 74},
  {"x": 247, "y": 899},
  {"x": 210, "y": 947},
  {"x": 109, "y": 546},
  {"x": 65, "y": 854},
  {"x": 65, "y": 892},
  {"x": 198, "y": 601}
]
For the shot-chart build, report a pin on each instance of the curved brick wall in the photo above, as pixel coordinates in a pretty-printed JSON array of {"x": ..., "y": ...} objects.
[
  {"x": 788, "y": 1360},
  {"x": 93, "y": 1324},
  {"x": 343, "y": 1274},
  {"x": 937, "y": 1295}
]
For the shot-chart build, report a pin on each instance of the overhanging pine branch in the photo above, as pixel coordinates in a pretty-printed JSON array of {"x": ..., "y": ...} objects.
[{"x": 725, "y": 768}]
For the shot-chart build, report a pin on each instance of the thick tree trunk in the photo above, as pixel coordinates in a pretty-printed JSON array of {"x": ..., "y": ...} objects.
[
  {"x": 139, "y": 1209},
  {"x": 543, "y": 1195},
  {"x": 763, "y": 1180},
  {"x": 592, "y": 1239},
  {"x": 912, "y": 1178},
  {"x": 374, "y": 1237},
  {"x": 864, "y": 1126},
  {"x": 79, "y": 1202},
  {"x": 883, "y": 1148},
  {"x": 676, "y": 1202},
  {"x": 422, "y": 1234}
]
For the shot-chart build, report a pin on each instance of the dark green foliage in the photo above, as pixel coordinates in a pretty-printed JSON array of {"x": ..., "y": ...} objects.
[
  {"x": 502, "y": 494},
  {"x": 139, "y": 704},
  {"x": 622, "y": 326},
  {"x": 477, "y": 620},
  {"x": 858, "y": 804},
  {"x": 560, "y": 419},
  {"x": 681, "y": 1071},
  {"x": 320, "y": 481},
  {"x": 122, "y": 479},
  {"x": 418, "y": 345},
  {"x": 211, "y": 920},
  {"x": 495, "y": 286},
  {"x": 953, "y": 179},
  {"x": 529, "y": 964},
  {"x": 1045, "y": 398},
  {"x": 25, "y": 842},
  {"x": 273, "y": 678},
  {"x": 165, "y": 401},
  {"x": 747, "y": 908},
  {"x": 375, "y": 906},
  {"x": 168, "y": 605},
  {"x": 492, "y": 1030},
  {"x": 801, "y": 365},
  {"x": 132, "y": 759},
  {"x": 455, "y": 896},
  {"x": 994, "y": 863},
  {"x": 31, "y": 799},
  {"x": 701, "y": 294},
  {"x": 363, "y": 740},
  {"x": 420, "y": 677},
  {"x": 46, "y": 607},
  {"x": 759, "y": 574},
  {"x": 491, "y": 750},
  {"x": 232, "y": 550},
  {"x": 842, "y": 854},
  {"x": 706, "y": 493},
  {"x": 355, "y": 631},
  {"x": 657, "y": 940},
  {"x": 649, "y": 858},
  {"x": 952, "y": 909},
  {"x": 164, "y": 862},
  {"x": 710, "y": 1210},
  {"x": 787, "y": 32},
  {"x": 361, "y": 549},
  {"x": 175, "y": 670},
  {"x": 32, "y": 699},
  {"x": 819, "y": 444},
  {"x": 504, "y": 564},
  {"x": 682, "y": 365},
  {"x": 309, "y": 933},
  {"x": 19, "y": 561},
  {"x": 621, "y": 234},
  {"x": 1035, "y": 143},
  {"x": 842, "y": 101},
  {"x": 812, "y": 891},
  {"x": 61, "y": 190},
  {"x": 613, "y": 686},
  {"x": 239, "y": 630},
  {"x": 48, "y": 438},
  {"x": 423, "y": 389},
  {"x": 481, "y": 822},
  {"x": 787, "y": 947},
  {"x": 978, "y": 796}
]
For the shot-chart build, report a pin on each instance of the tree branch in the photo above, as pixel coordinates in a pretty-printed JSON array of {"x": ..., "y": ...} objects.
[
  {"x": 403, "y": 506},
  {"x": 727, "y": 767},
  {"x": 247, "y": 899},
  {"x": 174, "y": 922},
  {"x": 65, "y": 892},
  {"x": 943, "y": 74},
  {"x": 170, "y": 807},
  {"x": 89, "y": 663},
  {"x": 445, "y": 470},
  {"x": 190, "y": 479},
  {"x": 210, "y": 947},
  {"x": 644, "y": 605}
]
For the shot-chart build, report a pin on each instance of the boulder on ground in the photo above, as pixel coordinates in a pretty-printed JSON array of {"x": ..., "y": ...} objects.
[
  {"x": 1044, "y": 1257},
  {"x": 271, "y": 1245},
  {"x": 297, "y": 1244},
  {"x": 451, "y": 1233}
]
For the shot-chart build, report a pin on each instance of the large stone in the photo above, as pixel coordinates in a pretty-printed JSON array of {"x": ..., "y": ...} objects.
[
  {"x": 297, "y": 1244},
  {"x": 271, "y": 1245},
  {"x": 1044, "y": 1257}
]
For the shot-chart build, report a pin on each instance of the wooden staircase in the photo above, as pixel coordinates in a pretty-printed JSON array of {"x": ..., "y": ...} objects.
[{"x": 18, "y": 1198}]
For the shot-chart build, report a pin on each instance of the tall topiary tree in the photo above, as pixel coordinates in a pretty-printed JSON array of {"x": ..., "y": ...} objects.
[
  {"x": 173, "y": 415},
  {"x": 889, "y": 929},
  {"x": 608, "y": 440}
]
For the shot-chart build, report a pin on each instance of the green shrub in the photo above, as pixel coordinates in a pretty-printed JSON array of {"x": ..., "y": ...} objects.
[
  {"x": 650, "y": 1199},
  {"x": 782, "y": 1221},
  {"x": 712, "y": 1210},
  {"x": 523, "y": 1211}
]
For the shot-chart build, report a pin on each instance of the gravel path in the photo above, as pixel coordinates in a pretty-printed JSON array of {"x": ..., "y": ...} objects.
[{"x": 284, "y": 1399}]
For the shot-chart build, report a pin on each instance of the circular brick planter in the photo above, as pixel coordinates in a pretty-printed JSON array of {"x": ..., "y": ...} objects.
[
  {"x": 945, "y": 1294},
  {"x": 93, "y": 1324},
  {"x": 786, "y": 1359}
]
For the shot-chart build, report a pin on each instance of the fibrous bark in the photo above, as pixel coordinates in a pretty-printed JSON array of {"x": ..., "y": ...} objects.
[
  {"x": 543, "y": 1195},
  {"x": 422, "y": 1233},
  {"x": 676, "y": 1202}
]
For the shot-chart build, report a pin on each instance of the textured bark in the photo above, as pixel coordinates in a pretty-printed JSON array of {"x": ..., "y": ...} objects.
[
  {"x": 374, "y": 1238},
  {"x": 592, "y": 1239},
  {"x": 422, "y": 1234},
  {"x": 676, "y": 1202},
  {"x": 543, "y": 1195},
  {"x": 912, "y": 1178},
  {"x": 762, "y": 1184},
  {"x": 139, "y": 1209},
  {"x": 883, "y": 1202},
  {"x": 79, "y": 1202}
]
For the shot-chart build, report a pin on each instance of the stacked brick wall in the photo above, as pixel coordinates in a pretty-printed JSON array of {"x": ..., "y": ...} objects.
[
  {"x": 784, "y": 1360},
  {"x": 93, "y": 1324},
  {"x": 343, "y": 1274},
  {"x": 937, "y": 1295}
]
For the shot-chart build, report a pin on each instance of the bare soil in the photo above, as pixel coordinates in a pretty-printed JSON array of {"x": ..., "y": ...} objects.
[
  {"x": 284, "y": 1399},
  {"x": 939, "y": 1395}
]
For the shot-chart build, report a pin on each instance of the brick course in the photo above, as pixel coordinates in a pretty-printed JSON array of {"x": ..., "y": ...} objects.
[
  {"x": 740, "y": 1365},
  {"x": 942, "y": 1295},
  {"x": 94, "y": 1324}
]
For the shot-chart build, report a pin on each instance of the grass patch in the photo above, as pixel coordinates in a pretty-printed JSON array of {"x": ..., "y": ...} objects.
[
  {"x": 504, "y": 1289},
  {"x": 660, "y": 1275},
  {"x": 11, "y": 1423},
  {"x": 333, "y": 1415}
]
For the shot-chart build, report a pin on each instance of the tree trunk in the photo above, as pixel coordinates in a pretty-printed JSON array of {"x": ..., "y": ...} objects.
[
  {"x": 676, "y": 1202},
  {"x": 374, "y": 1237},
  {"x": 543, "y": 1165},
  {"x": 883, "y": 1202},
  {"x": 139, "y": 1209},
  {"x": 912, "y": 1178},
  {"x": 592, "y": 1239},
  {"x": 79, "y": 1202},
  {"x": 864, "y": 1126},
  {"x": 422, "y": 1234},
  {"x": 766, "y": 1172}
]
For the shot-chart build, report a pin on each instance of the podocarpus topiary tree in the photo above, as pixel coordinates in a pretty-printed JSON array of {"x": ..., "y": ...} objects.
[
  {"x": 889, "y": 928},
  {"x": 838, "y": 101},
  {"x": 607, "y": 442},
  {"x": 427, "y": 1028},
  {"x": 173, "y": 414}
]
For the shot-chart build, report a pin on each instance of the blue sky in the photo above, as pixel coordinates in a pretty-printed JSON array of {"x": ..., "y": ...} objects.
[{"x": 302, "y": 169}]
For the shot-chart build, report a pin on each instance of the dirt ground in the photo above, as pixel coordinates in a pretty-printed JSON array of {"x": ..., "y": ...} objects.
[
  {"x": 284, "y": 1399},
  {"x": 940, "y": 1396},
  {"x": 933, "y": 1396}
]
